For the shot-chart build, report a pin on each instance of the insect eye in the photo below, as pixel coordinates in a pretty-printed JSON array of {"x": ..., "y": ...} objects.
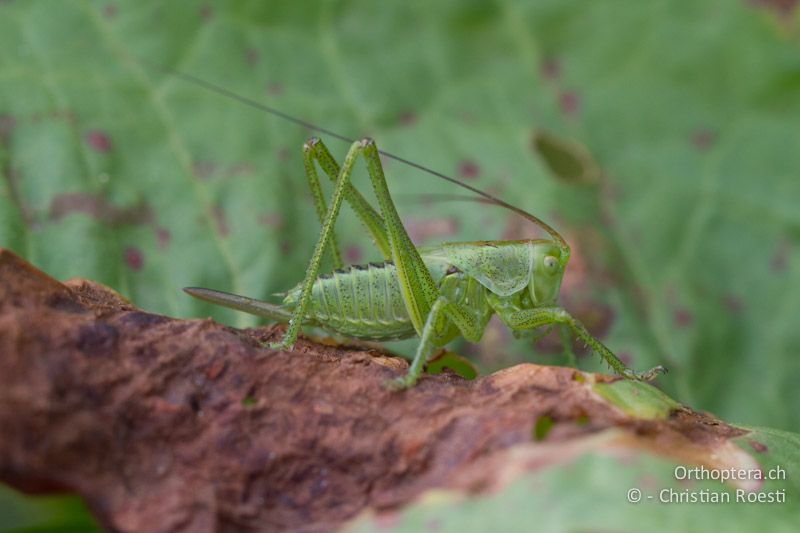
[{"x": 550, "y": 263}]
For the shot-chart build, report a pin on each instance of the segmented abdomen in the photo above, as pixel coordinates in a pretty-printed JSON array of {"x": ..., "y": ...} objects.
[{"x": 361, "y": 301}]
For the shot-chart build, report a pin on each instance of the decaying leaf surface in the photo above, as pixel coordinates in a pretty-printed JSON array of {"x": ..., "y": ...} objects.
[{"x": 166, "y": 424}]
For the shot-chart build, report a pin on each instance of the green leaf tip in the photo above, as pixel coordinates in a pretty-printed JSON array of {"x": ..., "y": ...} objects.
[
  {"x": 566, "y": 159},
  {"x": 542, "y": 427},
  {"x": 637, "y": 399}
]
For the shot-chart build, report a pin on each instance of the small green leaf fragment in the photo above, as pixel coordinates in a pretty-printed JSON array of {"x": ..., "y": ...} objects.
[
  {"x": 566, "y": 159},
  {"x": 458, "y": 364},
  {"x": 542, "y": 427},
  {"x": 249, "y": 401},
  {"x": 637, "y": 399}
]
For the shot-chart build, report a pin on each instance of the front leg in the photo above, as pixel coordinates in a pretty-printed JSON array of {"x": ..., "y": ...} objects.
[{"x": 534, "y": 318}]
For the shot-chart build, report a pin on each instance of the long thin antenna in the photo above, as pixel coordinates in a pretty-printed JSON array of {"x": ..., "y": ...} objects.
[{"x": 310, "y": 125}]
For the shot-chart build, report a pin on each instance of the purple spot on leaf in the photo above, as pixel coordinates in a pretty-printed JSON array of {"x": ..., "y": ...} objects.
[
  {"x": 99, "y": 141},
  {"x": 551, "y": 69},
  {"x": 274, "y": 220},
  {"x": 240, "y": 169},
  {"x": 408, "y": 118},
  {"x": 782, "y": 8},
  {"x": 274, "y": 89},
  {"x": 626, "y": 357},
  {"x": 206, "y": 12},
  {"x": 469, "y": 169},
  {"x": 7, "y": 125},
  {"x": 134, "y": 258},
  {"x": 352, "y": 254},
  {"x": 422, "y": 229},
  {"x": 220, "y": 220},
  {"x": 110, "y": 11},
  {"x": 780, "y": 259},
  {"x": 570, "y": 102},
  {"x": 285, "y": 247},
  {"x": 758, "y": 446},
  {"x": 683, "y": 318},
  {"x": 733, "y": 303},
  {"x": 100, "y": 208},
  {"x": 703, "y": 139},
  {"x": 283, "y": 154},
  {"x": 163, "y": 236},
  {"x": 252, "y": 56}
]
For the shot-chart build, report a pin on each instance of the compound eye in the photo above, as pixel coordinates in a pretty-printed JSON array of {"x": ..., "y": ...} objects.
[{"x": 550, "y": 263}]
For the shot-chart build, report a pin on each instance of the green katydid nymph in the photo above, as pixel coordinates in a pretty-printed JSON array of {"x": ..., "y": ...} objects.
[{"x": 435, "y": 293}]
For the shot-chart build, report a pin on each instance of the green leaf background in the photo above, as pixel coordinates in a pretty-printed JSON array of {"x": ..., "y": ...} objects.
[
  {"x": 596, "y": 485},
  {"x": 686, "y": 248}
]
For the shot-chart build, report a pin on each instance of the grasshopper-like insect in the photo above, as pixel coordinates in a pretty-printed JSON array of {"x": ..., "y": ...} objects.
[{"x": 435, "y": 293}]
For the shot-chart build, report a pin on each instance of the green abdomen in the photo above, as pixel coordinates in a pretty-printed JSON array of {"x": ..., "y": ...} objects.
[{"x": 361, "y": 301}]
